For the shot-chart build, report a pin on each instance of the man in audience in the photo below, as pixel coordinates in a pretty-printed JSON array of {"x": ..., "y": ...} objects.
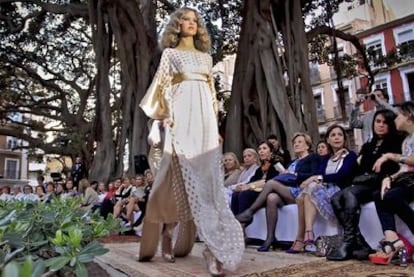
[
  {"x": 281, "y": 155},
  {"x": 377, "y": 100}
]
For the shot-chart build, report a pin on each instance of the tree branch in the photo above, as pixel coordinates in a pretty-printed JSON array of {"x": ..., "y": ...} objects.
[{"x": 347, "y": 37}]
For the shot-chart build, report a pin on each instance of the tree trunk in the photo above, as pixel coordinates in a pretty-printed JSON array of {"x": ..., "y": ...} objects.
[
  {"x": 261, "y": 103},
  {"x": 134, "y": 32},
  {"x": 104, "y": 161}
]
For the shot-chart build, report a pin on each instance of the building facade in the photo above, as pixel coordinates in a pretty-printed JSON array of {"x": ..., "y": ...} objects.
[{"x": 381, "y": 30}]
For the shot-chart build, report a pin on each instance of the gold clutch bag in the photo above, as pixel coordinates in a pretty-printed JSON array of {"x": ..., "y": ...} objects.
[{"x": 257, "y": 186}]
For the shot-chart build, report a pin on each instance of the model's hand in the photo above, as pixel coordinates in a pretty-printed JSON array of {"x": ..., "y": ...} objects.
[
  {"x": 386, "y": 185},
  {"x": 220, "y": 139}
]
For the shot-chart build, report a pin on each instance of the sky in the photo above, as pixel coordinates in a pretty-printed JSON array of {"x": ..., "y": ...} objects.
[{"x": 401, "y": 8}]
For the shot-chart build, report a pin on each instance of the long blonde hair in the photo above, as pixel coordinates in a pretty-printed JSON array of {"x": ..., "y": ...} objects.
[{"x": 171, "y": 35}]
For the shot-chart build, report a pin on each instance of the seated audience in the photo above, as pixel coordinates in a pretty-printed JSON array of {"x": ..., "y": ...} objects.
[
  {"x": 28, "y": 194},
  {"x": 346, "y": 203},
  {"x": 109, "y": 201},
  {"x": 60, "y": 191},
  {"x": 250, "y": 165},
  {"x": 335, "y": 172},
  {"x": 50, "y": 192},
  {"x": 245, "y": 195},
  {"x": 322, "y": 149},
  {"x": 89, "y": 195},
  {"x": 284, "y": 188},
  {"x": 231, "y": 169},
  {"x": 280, "y": 155},
  {"x": 5, "y": 194},
  {"x": 40, "y": 192},
  {"x": 397, "y": 190}
]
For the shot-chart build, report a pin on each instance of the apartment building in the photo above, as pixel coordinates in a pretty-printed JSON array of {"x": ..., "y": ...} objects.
[
  {"x": 380, "y": 28},
  {"x": 13, "y": 162}
]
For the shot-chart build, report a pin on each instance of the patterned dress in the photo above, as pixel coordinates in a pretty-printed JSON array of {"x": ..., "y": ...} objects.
[
  {"x": 333, "y": 175},
  {"x": 189, "y": 183}
]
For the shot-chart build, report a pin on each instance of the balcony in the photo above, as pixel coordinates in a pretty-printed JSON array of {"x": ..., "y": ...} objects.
[
  {"x": 9, "y": 174},
  {"x": 337, "y": 110},
  {"x": 320, "y": 115}
]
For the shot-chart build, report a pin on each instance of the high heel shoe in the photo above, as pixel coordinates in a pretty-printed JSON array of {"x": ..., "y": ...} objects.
[
  {"x": 214, "y": 266},
  {"x": 166, "y": 247},
  {"x": 386, "y": 255},
  {"x": 292, "y": 249},
  {"x": 245, "y": 217},
  {"x": 309, "y": 233},
  {"x": 266, "y": 246}
]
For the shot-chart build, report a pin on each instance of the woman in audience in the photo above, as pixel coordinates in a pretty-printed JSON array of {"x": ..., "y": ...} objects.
[
  {"x": 246, "y": 194},
  {"x": 231, "y": 169},
  {"x": 346, "y": 203},
  {"x": 60, "y": 190},
  {"x": 397, "y": 190},
  {"x": 250, "y": 165},
  {"x": 283, "y": 189},
  {"x": 40, "y": 192},
  {"x": 335, "y": 172},
  {"x": 322, "y": 149},
  {"x": 89, "y": 195}
]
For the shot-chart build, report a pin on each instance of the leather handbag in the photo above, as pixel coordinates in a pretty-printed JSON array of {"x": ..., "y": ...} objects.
[
  {"x": 405, "y": 179},
  {"x": 367, "y": 179},
  {"x": 325, "y": 244},
  {"x": 288, "y": 179}
]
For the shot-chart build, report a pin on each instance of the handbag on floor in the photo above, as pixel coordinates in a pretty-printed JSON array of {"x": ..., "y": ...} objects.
[{"x": 325, "y": 244}]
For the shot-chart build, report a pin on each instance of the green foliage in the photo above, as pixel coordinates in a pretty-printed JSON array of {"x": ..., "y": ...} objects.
[{"x": 58, "y": 236}]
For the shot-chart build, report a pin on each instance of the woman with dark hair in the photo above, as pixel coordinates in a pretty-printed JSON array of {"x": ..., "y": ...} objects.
[
  {"x": 346, "y": 203},
  {"x": 284, "y": 188},
  {"x": 397, "y": 190},
  {"x": 244, "y": 195},
  {"x": 335, "y": 173},
  {"x": 322, "y": 148}
]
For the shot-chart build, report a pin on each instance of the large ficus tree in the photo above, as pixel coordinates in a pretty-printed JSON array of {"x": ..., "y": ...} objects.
[
  {"x": 271, "y": 90},
  {"x": 77, "y": 69}
]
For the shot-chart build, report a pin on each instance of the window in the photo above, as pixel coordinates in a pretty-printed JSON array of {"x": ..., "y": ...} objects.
[
  {"x": 348, "y": 105},
  {"x": 320, "y": 112},
  {"x": 375, "y": 49},
  {"x": 11, "y": 143},
  {"x": 410, "y": 81},
  {"x": 381, "y": 84},
  {"x": 11, "y": 170},
  {"x": 404, "y": 40}
]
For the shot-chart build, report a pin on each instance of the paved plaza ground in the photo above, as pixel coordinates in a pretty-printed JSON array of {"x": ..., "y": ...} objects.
[{"x": 121, "y": 261}]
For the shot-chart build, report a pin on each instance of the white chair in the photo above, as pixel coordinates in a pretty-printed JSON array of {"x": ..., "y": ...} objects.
[{"x": 287, "y": 225}]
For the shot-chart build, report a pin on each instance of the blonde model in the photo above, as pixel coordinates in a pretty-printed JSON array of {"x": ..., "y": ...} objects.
[{"x": 188, "y": 186}]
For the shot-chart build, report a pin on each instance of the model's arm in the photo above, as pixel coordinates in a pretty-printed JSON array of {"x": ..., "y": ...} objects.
[
  {"x": 154, "y": 102},
  {"x": 212, "y": 88}
]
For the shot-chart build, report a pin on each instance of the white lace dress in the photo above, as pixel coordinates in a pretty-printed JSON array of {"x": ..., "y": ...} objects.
[{"x": 191, "y": 165}]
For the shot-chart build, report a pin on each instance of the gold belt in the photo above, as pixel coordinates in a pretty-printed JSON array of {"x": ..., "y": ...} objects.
[{"x": 180, "y": 77}]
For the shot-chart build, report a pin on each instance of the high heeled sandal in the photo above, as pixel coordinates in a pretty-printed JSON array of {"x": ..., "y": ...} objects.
[
  {"x": 166, "y": 247},
  {"x": 214, "y": 266},
  {"x": 384, "y": 256},
  {"x": 309, "y": 241},
  {"x": 292, "y": 249}
]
